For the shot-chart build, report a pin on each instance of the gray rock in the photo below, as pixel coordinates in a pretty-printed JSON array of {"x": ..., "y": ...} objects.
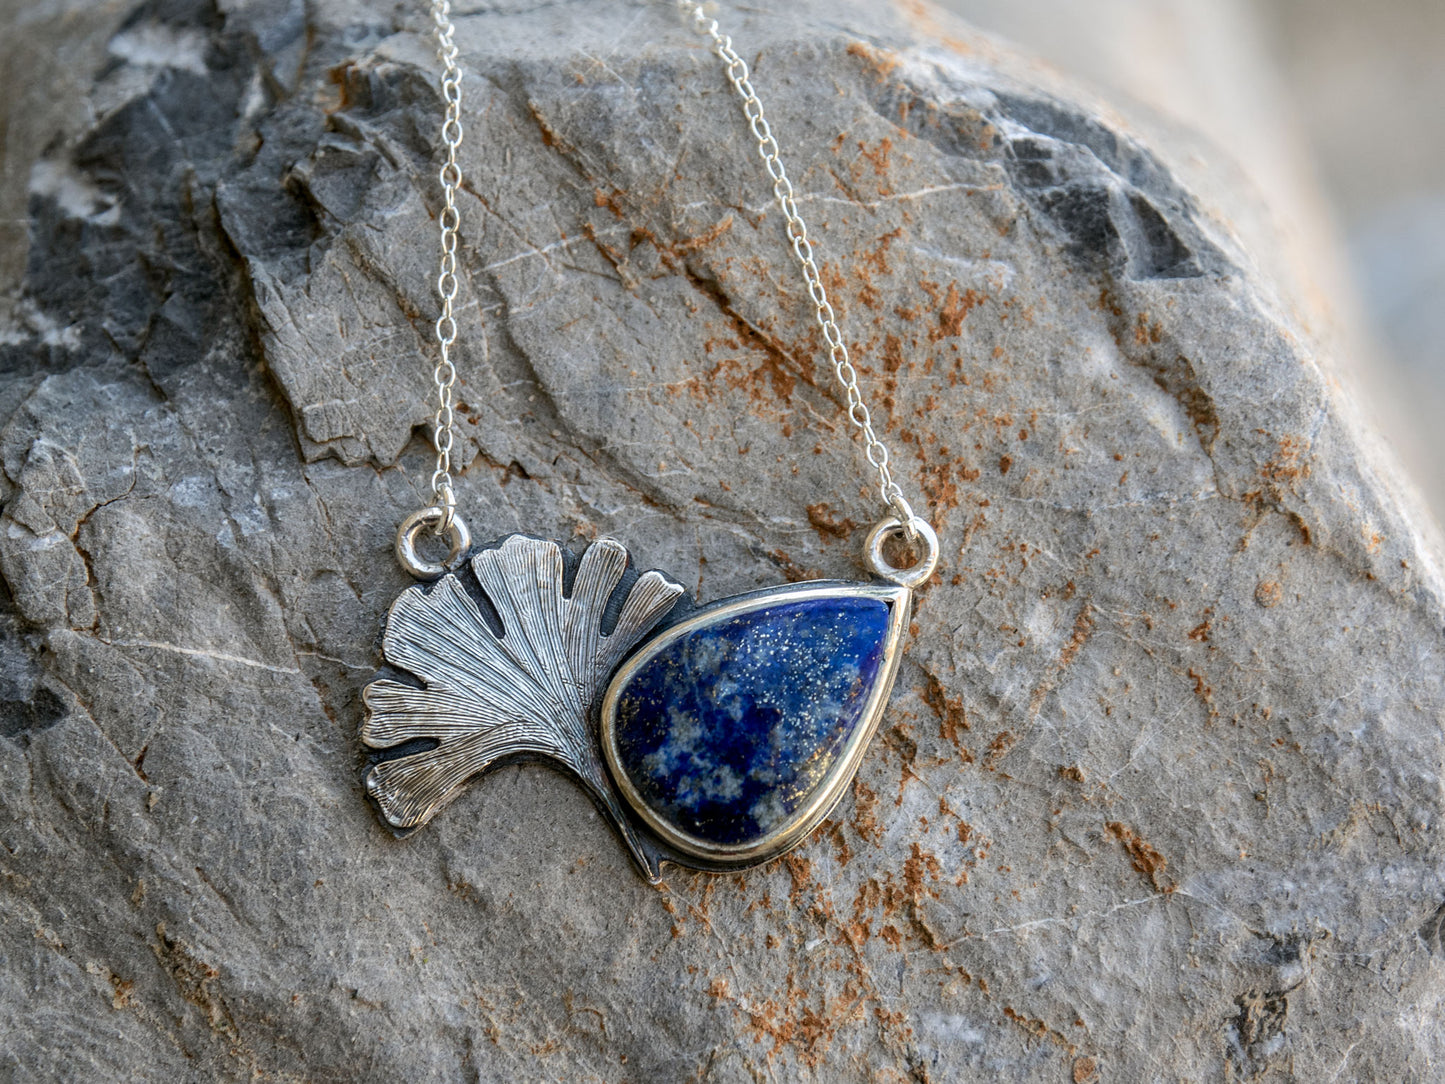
[{"x": 1159, "y": 796}]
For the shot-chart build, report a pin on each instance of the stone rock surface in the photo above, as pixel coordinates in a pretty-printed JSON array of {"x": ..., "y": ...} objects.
[{"x": 1159, "y": 794}]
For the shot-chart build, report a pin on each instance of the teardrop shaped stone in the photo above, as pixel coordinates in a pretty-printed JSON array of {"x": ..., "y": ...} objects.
[{"x": 726, "y": 731}]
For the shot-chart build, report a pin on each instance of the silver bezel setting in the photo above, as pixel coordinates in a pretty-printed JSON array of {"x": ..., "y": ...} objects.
[{"x": 799, "y": 826}]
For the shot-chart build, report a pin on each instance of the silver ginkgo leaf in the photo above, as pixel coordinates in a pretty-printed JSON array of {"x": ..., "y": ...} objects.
[{"x": 528, "y": 691}]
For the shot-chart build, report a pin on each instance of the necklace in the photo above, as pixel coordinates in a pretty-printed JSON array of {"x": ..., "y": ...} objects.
[{"x": 714, "y": 736}]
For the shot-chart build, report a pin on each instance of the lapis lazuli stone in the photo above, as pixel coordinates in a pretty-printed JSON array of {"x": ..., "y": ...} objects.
[{"x": 727, "y": 730}]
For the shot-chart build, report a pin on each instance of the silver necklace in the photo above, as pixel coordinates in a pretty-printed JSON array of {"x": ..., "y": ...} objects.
[{"x": 713, "y": 736}]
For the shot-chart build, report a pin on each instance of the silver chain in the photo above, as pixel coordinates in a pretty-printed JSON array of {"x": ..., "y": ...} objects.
[
  {"x": 847, "y": 376},
  {"x": 445, "y": 373}
]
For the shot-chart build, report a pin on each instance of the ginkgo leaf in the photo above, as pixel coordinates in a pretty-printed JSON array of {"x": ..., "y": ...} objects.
[{"x": 484, "y": 696}]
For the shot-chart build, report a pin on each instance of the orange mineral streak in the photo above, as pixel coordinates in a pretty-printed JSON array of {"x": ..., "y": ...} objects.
[
  {"x": 1038, "y": 1029},
  {"x": 951, "y": 717},
  {"x": 829, "y": 524},
  {"x": 879, "y": 61},
  {"x": 1142, "y": 855}
]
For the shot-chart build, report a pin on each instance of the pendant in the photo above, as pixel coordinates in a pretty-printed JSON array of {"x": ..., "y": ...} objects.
[{"x": 715, "y": 737}]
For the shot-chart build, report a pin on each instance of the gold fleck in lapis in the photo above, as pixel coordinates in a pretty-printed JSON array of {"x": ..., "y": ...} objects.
[{"x": 728, "y": 729}]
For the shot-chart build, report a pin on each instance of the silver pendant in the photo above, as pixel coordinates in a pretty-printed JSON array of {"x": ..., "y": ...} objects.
[{"x": 716, "y": 737}]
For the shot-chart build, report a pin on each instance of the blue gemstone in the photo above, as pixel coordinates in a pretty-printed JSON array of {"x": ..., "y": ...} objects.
[{"x": 727, "y": 730}]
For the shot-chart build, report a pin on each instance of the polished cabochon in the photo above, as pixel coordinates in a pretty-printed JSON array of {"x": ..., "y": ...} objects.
[{"x": 732, "y": 733}]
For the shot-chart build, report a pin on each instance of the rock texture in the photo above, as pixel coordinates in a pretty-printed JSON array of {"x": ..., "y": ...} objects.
[{"x": 1159, "y": 794}]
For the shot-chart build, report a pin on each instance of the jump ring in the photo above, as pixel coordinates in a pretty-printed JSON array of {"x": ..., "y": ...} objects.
[
  {"x": 913, "y": 577},
  {"x": 413, "y": 525}
]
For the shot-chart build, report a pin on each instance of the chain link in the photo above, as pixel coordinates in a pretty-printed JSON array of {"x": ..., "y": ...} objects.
[
  {"x": 847, "y": 376},
  {"x": 450, "y": 219}
]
